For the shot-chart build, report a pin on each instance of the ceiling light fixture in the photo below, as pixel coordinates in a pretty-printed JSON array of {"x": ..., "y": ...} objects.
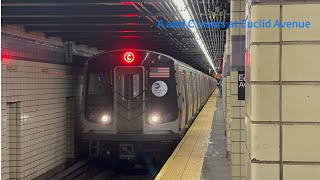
[{"x": 184, "y": 12}]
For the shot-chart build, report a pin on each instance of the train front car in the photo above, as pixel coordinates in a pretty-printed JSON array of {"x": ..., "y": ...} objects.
[{"x": 130, "y": 104}]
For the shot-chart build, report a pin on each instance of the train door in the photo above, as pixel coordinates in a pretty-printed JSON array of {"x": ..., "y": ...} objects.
[
  {"x": 198, "y": 92},
  {"x": 205, "y": 90},
  {"x": 207, "y": 86},
  {"x": 187, "y": 89},
  {"x": 129, "y": 97},
  {"x": 183, "y": 101},
  {"x": 202, "y": 90},
  {"x": 189, "y": 100},
  {"x": 192, "y": 95}
]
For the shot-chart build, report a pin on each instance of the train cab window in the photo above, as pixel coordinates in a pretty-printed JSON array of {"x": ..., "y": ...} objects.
[
  {"x": 131, "y": 86},
  {"x": 97, "y": 85}
]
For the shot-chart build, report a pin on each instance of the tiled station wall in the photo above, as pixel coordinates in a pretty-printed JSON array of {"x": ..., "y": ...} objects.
[
  {"x": 227, "y": 92},
  {"x": 237, "y": 110},
  {"x": 224, "y": 92},
  {"x": 40, "y": 103},
  {"x": 283, "y": 93}
]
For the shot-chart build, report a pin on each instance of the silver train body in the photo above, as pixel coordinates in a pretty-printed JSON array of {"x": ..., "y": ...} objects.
[{"x": 139, "y": 100}]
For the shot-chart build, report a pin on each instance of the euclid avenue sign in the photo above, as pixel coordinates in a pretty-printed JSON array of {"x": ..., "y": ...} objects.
[{"x": 241, "y": 85}]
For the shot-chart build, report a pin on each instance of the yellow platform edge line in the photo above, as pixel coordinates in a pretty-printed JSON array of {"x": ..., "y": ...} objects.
[{"x": 164, "y": 168}]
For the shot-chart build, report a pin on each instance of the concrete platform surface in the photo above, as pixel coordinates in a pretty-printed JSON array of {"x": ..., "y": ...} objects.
[{"x": 216, "y": 166}]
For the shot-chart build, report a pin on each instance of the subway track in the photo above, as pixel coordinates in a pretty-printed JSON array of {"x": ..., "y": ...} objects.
[{"x": 93, "y": 169}]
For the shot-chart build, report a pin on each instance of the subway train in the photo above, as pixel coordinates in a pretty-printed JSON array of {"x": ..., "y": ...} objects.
[{"x": 139, "y": 101}]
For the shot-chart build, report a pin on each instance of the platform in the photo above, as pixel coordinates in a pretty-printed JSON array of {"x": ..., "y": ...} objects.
[
  {"x": 187, "y": 160},
  {"x": 216, "y": 166}
]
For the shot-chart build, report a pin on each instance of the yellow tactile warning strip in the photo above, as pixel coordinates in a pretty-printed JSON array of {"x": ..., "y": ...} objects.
[{"x": 187, "y": 159}]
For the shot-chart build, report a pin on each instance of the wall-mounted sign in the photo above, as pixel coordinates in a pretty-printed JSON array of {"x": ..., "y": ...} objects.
[
  {"x": 241, "y": 85},
  {"x": 12, "y": 68}
]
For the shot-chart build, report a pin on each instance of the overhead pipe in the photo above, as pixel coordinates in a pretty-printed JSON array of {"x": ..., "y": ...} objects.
[
  {"x": 210, "y": 40},
  {"x": 199, "y": 38},
  {"x": 208, "y": 43},
  {"x": 173, "y": 8},
  {"x": 191, "y": 40},
  {"x": 203, "y": 32},
  {"x": 157, "y": 8},
  {"x": 175, "y": 40},
  {"x": 150, "y": 19},
  {"x": 167, "y": 9},
  {"x": 210, "y": 32},
  {"x": 217, "y": 33}
]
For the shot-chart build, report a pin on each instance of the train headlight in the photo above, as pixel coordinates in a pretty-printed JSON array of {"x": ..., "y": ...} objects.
[
  {"x": 105, "y": 119},
  {"x": 154, "y": 119}
]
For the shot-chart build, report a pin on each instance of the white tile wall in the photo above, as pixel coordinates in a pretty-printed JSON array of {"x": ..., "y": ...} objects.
[
  {"x": 282, "y": 116},
  {"x": 4, "y": 141},
  {"x": 44, "y": 133},
  {"x": 45, "y": 137},
  {"x": 42, "y": 88},
  {"x": 237, "y": 109}
]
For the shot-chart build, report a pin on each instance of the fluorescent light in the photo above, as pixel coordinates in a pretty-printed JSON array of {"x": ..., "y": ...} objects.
[{"x": 183, "y": 10}]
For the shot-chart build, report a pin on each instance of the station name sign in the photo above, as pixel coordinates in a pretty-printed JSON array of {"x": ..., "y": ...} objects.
[{"x": 241, "y": 85}]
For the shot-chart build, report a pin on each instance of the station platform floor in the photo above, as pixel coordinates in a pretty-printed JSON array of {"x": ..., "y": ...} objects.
[{"x": 201, "y": 154}]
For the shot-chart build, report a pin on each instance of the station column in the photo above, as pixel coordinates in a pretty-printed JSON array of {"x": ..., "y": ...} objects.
[
  {"x": 237, "y": 65},
  {"x": 283, "y": 92},
  {"x": 224, "y": 88},
  {"x": 228, "y": 91}
]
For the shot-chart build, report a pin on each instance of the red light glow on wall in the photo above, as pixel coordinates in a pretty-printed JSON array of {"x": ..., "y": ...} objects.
[
  {"x": 5, "y": 56},
  {"x": 126, "y": 3},
  {"x": 127, "y": 31},
  {"x": 128, "y": 36},
  {"x": 130, "y": 15}
]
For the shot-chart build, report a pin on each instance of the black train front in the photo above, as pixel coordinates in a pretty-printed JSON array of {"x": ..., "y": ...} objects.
[{"x": 139, "y": 101}]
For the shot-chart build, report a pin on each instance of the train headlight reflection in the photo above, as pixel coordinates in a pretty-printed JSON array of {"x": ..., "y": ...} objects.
[{"x": 105, "y": 119}]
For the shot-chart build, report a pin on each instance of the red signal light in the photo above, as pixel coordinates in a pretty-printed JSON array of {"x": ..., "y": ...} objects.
[{"x": 128, "y": 57}]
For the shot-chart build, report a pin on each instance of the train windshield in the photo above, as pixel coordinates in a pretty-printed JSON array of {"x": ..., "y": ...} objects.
[
  {"x": 97, "y": 85},
  {"x": 99, "y": 90}
]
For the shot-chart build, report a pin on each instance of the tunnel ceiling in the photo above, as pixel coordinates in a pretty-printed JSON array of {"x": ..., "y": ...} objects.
[{"x": 114, "y": 24}]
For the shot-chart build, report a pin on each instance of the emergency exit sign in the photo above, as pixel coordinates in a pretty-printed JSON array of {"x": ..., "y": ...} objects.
[{"x": 241, "y": 85}]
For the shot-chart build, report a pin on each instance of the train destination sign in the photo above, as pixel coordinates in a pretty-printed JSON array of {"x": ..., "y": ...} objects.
[{"x": 241, "y": 85}]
